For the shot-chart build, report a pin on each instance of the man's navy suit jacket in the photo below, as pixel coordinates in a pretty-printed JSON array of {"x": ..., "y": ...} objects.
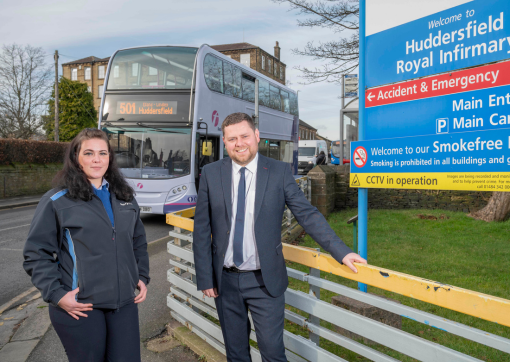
[{"x": 275, "y": 187}]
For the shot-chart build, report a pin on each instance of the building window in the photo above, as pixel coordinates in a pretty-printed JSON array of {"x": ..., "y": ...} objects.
[
  {"x": 87, "y": 73},
  {"x": 89, "y": 88},
  {"x": 134, "y": 70},
  {"x": 269, "y": 65},
  {"x": 275, "y": 70},
  {"x": 153, "y": 71},
  {"x": 263, "y": 63},
  {"x": 100, "y": 91},
  {"x": 116, "y": 71},
  {"x": 229, "y": 56},
  {"x": 281, "y": 73},
  {"x": 100, "y": 72},
  {"x": 245, "y": 60},
  {"x": 74, "y": 74}
]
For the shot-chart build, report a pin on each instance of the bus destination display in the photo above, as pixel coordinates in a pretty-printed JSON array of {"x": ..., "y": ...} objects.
[{"x": 147, "y": 107}]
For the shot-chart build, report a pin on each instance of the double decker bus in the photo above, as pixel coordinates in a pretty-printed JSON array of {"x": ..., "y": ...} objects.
[{"x": 162, "y": 109}]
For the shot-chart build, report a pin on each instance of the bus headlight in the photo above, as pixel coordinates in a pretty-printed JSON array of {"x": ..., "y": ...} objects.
[{"x": 176, "y": 192}]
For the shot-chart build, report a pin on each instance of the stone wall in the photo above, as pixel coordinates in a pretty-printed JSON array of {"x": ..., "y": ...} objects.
[
  {"x": 26, "y": 179},
  {"x": 464, "y": 201},
  {"x": 323, "y": 189}
]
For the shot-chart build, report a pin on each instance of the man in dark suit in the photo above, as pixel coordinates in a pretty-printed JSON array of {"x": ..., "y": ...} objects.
[{"x": 237, "y": 240}]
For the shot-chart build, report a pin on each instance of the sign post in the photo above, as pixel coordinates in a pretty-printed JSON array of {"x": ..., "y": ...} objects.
[{"x": 362, "y": 192}]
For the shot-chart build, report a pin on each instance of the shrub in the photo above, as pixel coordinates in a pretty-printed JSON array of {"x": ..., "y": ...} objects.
[{"x": 25, "y": 151}]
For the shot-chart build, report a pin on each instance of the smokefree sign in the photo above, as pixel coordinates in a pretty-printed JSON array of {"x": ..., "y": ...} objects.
[
  {"x": 467, "y": 35},
  {"x": 464, "y": 161}
]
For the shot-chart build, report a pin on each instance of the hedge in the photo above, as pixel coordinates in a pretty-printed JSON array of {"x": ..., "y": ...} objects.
[{"x": 24, "y": 151}]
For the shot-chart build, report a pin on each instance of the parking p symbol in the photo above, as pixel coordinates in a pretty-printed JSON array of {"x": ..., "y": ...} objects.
[{"x": 442, "y": 125}]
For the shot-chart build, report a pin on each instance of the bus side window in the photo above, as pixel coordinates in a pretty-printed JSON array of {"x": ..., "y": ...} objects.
[
  {"x": 293, "y": 104},
  {"x": 264, "y": 93},
  {"x": 274, "y": 94},
  {"x": 232, "y": 80},
  {"x": 248, "y": 88},
  {"x": 285, "y": 101},
  {"x": 213, "y": 71}
]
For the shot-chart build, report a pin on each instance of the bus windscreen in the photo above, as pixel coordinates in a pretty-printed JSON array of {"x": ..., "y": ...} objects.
[
  {"x": 152, "y": 68},
  {"x": 155, "y": 153},
  {"x": 335, "y": 149}
]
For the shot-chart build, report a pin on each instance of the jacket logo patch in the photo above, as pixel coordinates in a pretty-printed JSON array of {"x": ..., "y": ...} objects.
[{"x": 125, "y": 203}]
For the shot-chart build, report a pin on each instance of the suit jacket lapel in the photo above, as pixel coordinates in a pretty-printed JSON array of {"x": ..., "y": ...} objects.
[
  {"x": 226, "y": 183},
  {"x": 262, "y": 176}
]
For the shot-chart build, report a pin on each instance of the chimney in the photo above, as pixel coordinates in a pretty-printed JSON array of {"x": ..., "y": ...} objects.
[{"x": 277, "y": 51}]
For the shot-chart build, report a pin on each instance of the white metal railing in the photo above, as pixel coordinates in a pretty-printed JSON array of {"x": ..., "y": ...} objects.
[{"x": 189, "y": 307}]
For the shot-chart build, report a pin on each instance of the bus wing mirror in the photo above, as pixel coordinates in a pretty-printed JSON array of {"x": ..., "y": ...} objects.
[{"x": 207, "y": 148}]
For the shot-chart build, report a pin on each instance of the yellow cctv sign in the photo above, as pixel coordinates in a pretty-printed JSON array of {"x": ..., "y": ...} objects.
[{"x": 465, "y": 181}]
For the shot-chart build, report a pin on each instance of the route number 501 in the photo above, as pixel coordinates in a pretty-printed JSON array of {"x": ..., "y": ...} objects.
[{"x": 127, "y": 108}]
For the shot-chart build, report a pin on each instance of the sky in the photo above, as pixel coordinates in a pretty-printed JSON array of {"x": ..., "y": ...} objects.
[{"x": 79, "y": 29}]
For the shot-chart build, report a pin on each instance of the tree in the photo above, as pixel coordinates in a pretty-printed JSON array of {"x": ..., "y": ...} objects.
[
  {"x": 24, "y": 88},
  {"x": 76, "y": 110},
  {"x": 497, "y": 209},
  {"x": 341, "y": 56}
]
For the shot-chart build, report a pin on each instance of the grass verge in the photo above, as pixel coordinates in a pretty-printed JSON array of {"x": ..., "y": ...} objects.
[{"x": 445, "y": 246}]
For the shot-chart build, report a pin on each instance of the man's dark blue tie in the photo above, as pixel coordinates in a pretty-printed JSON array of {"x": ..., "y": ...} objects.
[{"x": 239, "y": 227}]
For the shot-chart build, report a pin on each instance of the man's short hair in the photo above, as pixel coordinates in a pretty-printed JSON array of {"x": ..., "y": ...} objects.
[{"x": 236, "y": 118}]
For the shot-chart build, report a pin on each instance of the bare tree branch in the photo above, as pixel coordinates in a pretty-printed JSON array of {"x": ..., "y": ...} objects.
[
  {"x": 341, "y": 56},
  {"x": 25, "y": 81}
]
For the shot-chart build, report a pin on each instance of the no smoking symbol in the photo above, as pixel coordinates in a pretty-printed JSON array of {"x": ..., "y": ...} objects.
[{"x": 360, "y": 156}]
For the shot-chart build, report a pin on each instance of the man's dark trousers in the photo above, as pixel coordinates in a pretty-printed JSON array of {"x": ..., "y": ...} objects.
[{"x": 242, "y": 292}]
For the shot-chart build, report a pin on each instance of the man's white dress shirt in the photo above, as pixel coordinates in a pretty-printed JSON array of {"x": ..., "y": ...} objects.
[{"x": 250, "y": 254}]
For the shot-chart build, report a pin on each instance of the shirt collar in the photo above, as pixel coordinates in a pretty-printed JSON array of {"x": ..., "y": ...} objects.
[
  {"x": 252, "y": 166},
  {"x": 104, "y": 183}
]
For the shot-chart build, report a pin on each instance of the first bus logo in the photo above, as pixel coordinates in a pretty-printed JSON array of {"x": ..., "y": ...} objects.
[{"x": 215, "y": 118}]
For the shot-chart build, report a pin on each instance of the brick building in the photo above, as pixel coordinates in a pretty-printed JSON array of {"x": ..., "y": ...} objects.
[
  {"x": 307, "y": 132},
  {"x": 92, "y": 70},
  {"x": 256, "y": 58},
  {"x": 328, "y": 141}
]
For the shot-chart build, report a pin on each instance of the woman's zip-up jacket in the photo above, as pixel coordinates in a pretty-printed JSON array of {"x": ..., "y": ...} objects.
[{"x": 71, "y": 243}]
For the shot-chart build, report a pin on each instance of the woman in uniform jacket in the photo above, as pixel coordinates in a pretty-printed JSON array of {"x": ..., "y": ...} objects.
[{"x": 87, "y": 253}]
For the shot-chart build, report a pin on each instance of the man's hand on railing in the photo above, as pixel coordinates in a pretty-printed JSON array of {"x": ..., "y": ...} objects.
[
  {"x": 350, "y": 258},
  {"x": 211, "y": 293}
]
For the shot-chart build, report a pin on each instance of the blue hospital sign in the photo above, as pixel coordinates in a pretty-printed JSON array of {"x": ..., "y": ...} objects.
[{"x": 437, "y": 103}]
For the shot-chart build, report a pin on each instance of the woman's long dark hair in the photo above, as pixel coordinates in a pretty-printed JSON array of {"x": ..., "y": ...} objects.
[{"x": 72, "y": 177}]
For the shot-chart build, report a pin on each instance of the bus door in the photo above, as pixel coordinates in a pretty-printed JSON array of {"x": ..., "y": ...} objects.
[{"x": 202, "y": 159}]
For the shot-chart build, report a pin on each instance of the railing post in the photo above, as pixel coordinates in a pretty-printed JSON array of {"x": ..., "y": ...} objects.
[
  {"x": 315, "y": 291},
  {"x": 177, "y": 242},
  {"x": 309, "y": 187},
  {"x": 355, "y": 234},
  {"x": 193, "y": 276}
]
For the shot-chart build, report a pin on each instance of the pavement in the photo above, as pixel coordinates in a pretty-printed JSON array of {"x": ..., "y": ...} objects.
[
  {"x": 12, "y": 202},
  {"x": 26, "y": 334}
]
